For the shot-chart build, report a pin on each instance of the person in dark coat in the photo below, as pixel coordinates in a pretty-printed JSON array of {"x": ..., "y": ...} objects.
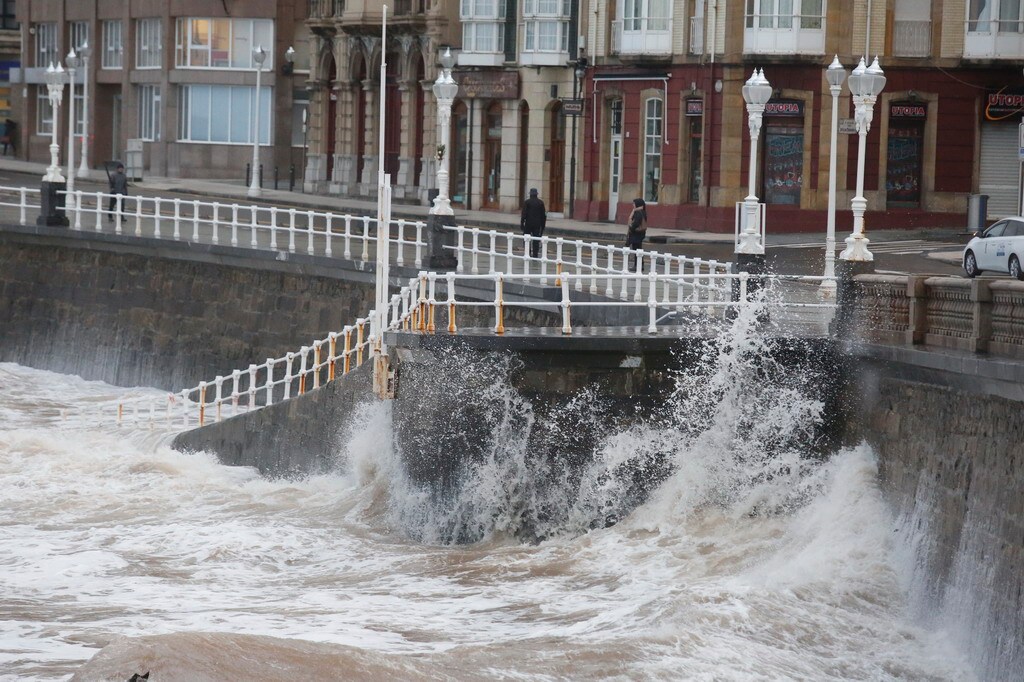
[
  {"x": 534, "y": 220},
  {"x": 118, "y": 185},
  {"x": 637, "y": 229}
]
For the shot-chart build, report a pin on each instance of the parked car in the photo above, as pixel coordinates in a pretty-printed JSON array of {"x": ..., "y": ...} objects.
[{"x": 1000, "y": 248}]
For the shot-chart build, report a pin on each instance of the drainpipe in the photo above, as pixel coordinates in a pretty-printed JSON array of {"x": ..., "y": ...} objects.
[
  {"x": 713, "y": 22},
  {"x": 867, "y": 33}
]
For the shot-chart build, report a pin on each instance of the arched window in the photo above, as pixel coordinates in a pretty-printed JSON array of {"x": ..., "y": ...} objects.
[{"x": 654, "y": 115}]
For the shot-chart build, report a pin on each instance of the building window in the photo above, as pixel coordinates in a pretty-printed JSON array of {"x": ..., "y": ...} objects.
[
  {"x": 222, "y": 113},
  {"x": 546, "y": 24},
  {"x": 149, "y": 47},
  {"x": 78, "y": 31},
  {"x": 113, "y": 45},
  {"x": 784, "y": 27},
  {"x": 654, "y": 115},
  {"x": 300, "y": 112},
  {"x": 44, "y": 112},
  {"x": 79, "y": 111},
  {"x": 1001, "y": 16},
  {"x": 149, "y": 112},
  {"x": 46, "y": 44},
  {"x": 222, "y": 43},
  {"x": 8, "y": 20},
  {"x": 483, "y": 25}
]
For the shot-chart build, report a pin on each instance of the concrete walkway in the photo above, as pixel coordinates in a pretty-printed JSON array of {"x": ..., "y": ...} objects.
[{"x": 236, "y": 191}]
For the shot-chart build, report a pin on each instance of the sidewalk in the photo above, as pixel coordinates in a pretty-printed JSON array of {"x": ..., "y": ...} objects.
[{"x": 236, "y": 191}]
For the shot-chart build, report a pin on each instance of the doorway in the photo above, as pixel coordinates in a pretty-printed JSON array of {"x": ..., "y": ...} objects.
[
  {"x": 115, "y": 128},
  {"x": 556, "y": 160},
  {"x": 524, "y": 137},
  {"x": 492, "y": 156},
  {"x": 614, "y": 158}
]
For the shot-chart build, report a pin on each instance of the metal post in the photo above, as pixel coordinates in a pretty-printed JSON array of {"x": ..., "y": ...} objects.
[
  {"x": 83, "y": 169},
  {"x": 836, "y": 74},
  {"x": 259, "y": 55}
]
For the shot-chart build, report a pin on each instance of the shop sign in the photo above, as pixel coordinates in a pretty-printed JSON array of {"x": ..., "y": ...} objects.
[
  {"x": 848, "y": 126},
  {"x": 572, "y": 107},
  {"x": 488, "y": 84},
  {"x": 694, "y": 107},
  {"x": 907, "y": 110},
  {"x": 1004, "y": 105},
  {"x": 783, "y": 107}
]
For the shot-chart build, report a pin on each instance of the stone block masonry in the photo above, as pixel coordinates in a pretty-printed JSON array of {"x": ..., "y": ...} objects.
[{"x": 151, "y": 317}]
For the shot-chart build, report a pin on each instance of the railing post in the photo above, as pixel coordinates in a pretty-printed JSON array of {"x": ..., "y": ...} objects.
[
  {"x": 118, "y": 212},
  {"x": 215, "y": 224},
  {"x": 431, "y": 301},
  {"x": 273, "y": 227},
  {"x": 302, "y": 369},
  {"x": 316, "y": 364},
  {"x": 419, "y": 243},
  {"x": 652, "y": 300},
  {"x": 195, "y": 220},
  {"x": 543, "y": 260},
  {"x": 79, "y": 195},
  {"x": 638, "y": 275},
  {"x": 566, "y": 320},
  {"x": 138, "y": 216},
  {"x": 99, "y": 211},
  {"x": 461, "y": 251},
  {"x": 24, "y": 208},
  {"x": 332, "y": 353},
  {"x": 499, "y": 304},
  {"x": 157, "y": 216},
  {"x": 251, "y": 389},
  {"x": 399, "y": 249},
  {"x": 493, "y": 250},
  {"x": 202, "y": 403},
  {"x": 289, "y": 359},
  {"x": 609, "y": 289},
  {"x": 234, "y": 224},
  {"x": 450, "y": 284},
  {"x": 475, "y": 269},
  {"x": 579, "y": 264},
  {"x": 366, "y": 238},
  {"x": 270, "y": 382},
  {"x": 328, "y": 234},
  {"x": 218, "y": 395},
  {"x": 624, "y": 292},
  {"x": 348, "y": 237},
  {"x": 309, "y": 232},
  {"x": 236, "y": 379},
  {"x": 254, "y": 214},
  {"x": 347, "y": 362},
  {"x": 177, "y": 218}
]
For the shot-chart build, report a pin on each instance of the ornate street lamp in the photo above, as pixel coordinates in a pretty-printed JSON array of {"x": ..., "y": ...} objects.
[
  {"x": 83, "y": 170},
  {"x": 72, "y": 61},
  {"x": 445, "y": 89},
  {"x": 756, "y": 93},
  {"x": 836, "y": 74},
  {"x": 866, "y": 82},
  {"x": 259, "y": 55},
  {"x": 55, "y": 91},
  {"x": 579, "y": 73}
]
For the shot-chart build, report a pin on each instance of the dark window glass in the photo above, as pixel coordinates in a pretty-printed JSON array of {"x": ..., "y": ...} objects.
[{"x": 996, "y": 230}]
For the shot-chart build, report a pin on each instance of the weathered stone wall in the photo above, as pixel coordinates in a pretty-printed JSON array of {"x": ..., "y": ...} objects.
[
  {"x": 949, "y": 450},
  {"x": 154, "y": 320}
]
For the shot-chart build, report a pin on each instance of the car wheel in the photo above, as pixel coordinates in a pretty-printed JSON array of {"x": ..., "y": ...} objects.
[
  {"x": 971, "y": 264},
  {"x": 1015, "y": 270}
]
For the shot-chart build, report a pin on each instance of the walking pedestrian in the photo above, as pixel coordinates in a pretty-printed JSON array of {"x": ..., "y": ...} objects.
[
  {"x": 118, "y": 186},
  {"x": 533, "y": 221},
  {"x": 637, "y": 230}
]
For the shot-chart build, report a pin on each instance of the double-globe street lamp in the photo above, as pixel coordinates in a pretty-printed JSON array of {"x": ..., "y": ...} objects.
[
  {"x": 445, "y": 89},
  {"x": 83, "y": 54},
  {"x": 259, "y": 55},
  {"x": 72, "y": 61},
  {"x": 579, "y": 72},
  {"x": 835, "y": 74},
  {"x": 866, "y": 82},
  {"x": 55, "y": 93},
  {"x": 750, "y": 239}
]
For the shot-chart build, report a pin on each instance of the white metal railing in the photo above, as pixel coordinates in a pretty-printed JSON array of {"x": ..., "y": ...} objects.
[
  {"x": 259, "y": 227},
  {"x": 492, "y": 251},
  {"x": 911, "y": 38},
  {"x": 696, "y": 35},
  {"x": 22, "y": 195}
]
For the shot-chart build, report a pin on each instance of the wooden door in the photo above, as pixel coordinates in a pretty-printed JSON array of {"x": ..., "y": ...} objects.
[{"x": 556, "y": 161}]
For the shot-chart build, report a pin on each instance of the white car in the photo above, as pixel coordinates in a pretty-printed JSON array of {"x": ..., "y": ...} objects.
[{"x": 1000, "y": 248}]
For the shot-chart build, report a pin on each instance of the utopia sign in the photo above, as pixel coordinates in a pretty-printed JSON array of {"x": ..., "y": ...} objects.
[{"x": 488, "y": 84}]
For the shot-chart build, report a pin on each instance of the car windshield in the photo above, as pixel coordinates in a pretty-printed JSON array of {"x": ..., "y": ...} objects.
[{"x": 996, "y": 230}]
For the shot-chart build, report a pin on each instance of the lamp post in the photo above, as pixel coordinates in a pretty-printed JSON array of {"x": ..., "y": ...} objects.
[
  {"x": 836, "y": 74},
  {"x": 756, "y": 93},
  {"x": 55, "y": 91},
  {"x": 259, "y": 55},
  {"x": 72, "y": 61},
  {"x": 445, "y": 89},
  {"x": 579, "y": 72},
  {"x": 83, "y": 170},
  {"x": 866, "y": 82}
]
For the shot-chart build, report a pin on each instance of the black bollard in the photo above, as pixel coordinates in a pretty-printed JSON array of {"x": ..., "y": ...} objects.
[
  {"x": 291, "y": 178},
  {"x": 275, "y": 177},
  {"x": 51, "y": 209},
  {"x": 248, "y": 174},
  {"x": 261, "y": 175}
]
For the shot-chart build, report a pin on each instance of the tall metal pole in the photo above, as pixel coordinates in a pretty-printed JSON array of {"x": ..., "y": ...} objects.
[
  {"x": 72, "y": 62},
  {"x": 83, "y": 169},
  {"x": 836, "y": 75},
  {"x": 380, "y": 318},
  {"x": 865, "y": 84},
  {"x": 572, "y": 156},
  {"x": 255, "y": 190}
]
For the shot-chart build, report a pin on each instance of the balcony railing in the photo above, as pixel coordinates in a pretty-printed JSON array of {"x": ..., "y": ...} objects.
[
  {"x": 406, "y": 7},
  {"x": 326, "y": 9},
  {"x": 784, "y": 34},
  {"x": 648, "y": 36},
  {"x": 994, "y": 40},
  {"x": 911, "y": 38},
  {"x": 697, "y": 35}
]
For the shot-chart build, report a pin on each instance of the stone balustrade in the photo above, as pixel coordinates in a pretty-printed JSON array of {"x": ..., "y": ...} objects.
[{"x": 977, "y": 315}]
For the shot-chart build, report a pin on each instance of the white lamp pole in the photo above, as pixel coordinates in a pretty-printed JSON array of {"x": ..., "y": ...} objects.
[
  {"x": 756, "y": 93},
  {"x": 836, "y": 74},
  {"x": 445, "y": 89},
  {"x": 259, "y": 55},
  {"x": 55, "y": 91},
  {"x": 866, "y": 82},
  {"x": 83, "y": 170},
  {"x": 72, "y": 61}
]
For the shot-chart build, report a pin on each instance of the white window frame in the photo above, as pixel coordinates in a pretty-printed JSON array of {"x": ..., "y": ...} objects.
[
  {"x": 298, "y": 135},
  {"x": 78, "y": 34},
  {"x": 654, "y": 137},
  {"x": 223, "y": 110},
  {"x": 993, "y": 19},
  {"x": 784, "y": 26},
  {"x": 480, "y": 17},
  {"x": 46, "y": 52},
  {"x": 150, "y": 108},
  {"x": 149, "y": 47},
  {"x": 44, "y": 112},
  {"x": 184, "y": 47},
  {"x": 113, "y": 44},
  {"x": 546, "y": 14}
]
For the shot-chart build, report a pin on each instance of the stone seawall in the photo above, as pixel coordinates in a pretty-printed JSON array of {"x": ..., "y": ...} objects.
[{"x": 950, "y": 462}]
